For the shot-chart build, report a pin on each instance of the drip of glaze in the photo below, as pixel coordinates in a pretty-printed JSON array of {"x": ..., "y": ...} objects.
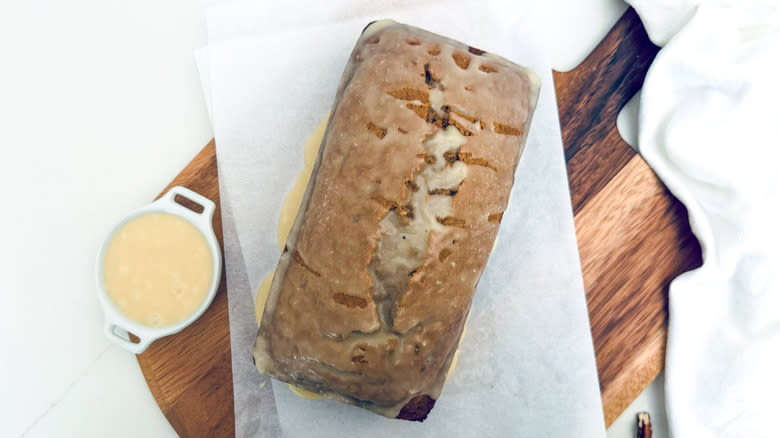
[
  {"x": 293, "y": 200},
  {"x": 262, "y": 296},
  {"x": 290, "y": 208}
]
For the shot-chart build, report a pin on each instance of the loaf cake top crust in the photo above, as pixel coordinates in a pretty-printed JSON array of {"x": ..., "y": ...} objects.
[{"x": 413, "y": 175}]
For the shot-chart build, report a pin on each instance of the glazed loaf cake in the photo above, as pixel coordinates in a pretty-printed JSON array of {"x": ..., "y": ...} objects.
[{"x": 413, "y": 176}]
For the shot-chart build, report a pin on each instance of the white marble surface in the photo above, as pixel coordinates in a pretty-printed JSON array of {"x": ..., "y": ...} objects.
[{"x": 100, "y": 106}]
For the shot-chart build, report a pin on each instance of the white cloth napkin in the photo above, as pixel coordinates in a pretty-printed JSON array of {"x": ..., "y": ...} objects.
[
  {"x": 527, "y": 366},
  {"x": 708, "y": 127}
]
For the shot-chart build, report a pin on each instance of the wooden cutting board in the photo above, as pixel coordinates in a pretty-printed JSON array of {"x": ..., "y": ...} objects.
[{"x": 633, "y": 238}]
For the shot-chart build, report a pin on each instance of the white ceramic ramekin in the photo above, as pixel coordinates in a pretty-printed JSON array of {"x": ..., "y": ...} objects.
[{"x": 117, "y": 325}]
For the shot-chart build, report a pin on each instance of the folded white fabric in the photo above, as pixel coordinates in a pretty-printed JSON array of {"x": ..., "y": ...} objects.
[{"x": 707, "y": 126}]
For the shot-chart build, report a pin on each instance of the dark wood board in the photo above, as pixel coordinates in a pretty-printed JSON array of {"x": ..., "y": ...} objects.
[{"x": 633, "y": 239}]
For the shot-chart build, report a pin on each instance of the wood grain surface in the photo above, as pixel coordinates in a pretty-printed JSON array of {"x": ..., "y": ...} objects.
[
  {"x": 633, "y": 235},
  {"x": 189, "y": 373},
  {"x": 633, "y": 238}
]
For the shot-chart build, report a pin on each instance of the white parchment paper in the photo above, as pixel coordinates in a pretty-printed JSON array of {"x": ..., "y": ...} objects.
[{"x": 527, "y": 365}]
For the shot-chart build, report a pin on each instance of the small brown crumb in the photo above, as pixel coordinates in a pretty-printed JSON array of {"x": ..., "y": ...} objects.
[
  {"x": 435, "y": 50},
  {"x": 443, "y": 192},
  {"x": 413, "y": 42},
  {"x": 500, "y": 128},
  {"x": 420, "y": 110},
  {"x": 451, "y": 221},
  {"x": 468, "y": 88},
  {"x": 496, "y": 217},
  {"x": 461, "y": 59},
  {"x": 487, "y": 68},
  {"x": 462, "y": 129},
  {"x": 411, "y": 185},
  {"x": 350, "y": 301},
  {"x": 379, "y": 131},
  {"x": 402, "y": 130},
  {"x": 444, "y": 254},
  {"x": 408, "y": 93},
  {"x": 466, "y": 157},
  {"x": 463, "y": 115},
  {"x": 475, "y": 161}
]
